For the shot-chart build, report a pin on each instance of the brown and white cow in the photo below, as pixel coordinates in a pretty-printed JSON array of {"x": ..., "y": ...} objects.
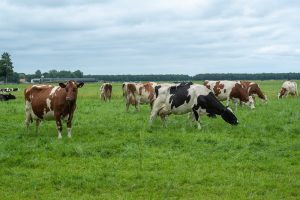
[
  {"x": 288, "y": 87},
  {"x": 46, "y": 102},
  {"x": 253, "y": 90},
  {"x": 230, "y": 90},
  {"x": 138, "y": 93},
  {"x": 105, "y": 91}
]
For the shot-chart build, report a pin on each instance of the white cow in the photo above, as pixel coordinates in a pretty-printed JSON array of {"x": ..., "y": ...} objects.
[{"x": 288, "y": 87}]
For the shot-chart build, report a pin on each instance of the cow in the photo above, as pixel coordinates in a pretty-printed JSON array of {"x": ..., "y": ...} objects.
[
  {"x": 230, "y": 90},
  {"x": 190, "y": 98},
  {"x": 9, "y": 89},
  {"x": 105, "y": 91},
  {"x": 46, "y": 102},
  {"x": 6, "y": 97},
  {"x": 138, "y": 93},
  {"x": 288, "y": 87},
  {"x": 253, "y": 90}
]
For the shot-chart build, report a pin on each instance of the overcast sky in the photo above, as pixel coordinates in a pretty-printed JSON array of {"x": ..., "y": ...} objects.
[{"x": 152, "y": 37}]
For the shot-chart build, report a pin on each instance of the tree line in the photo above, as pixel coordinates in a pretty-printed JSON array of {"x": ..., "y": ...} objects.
[
  {"x": 198, "y": 77},
  {"x": 7, "y": 74}
]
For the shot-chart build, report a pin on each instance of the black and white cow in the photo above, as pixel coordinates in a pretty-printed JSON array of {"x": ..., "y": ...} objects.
[
  {"x": 9, "y": 89},
  {"x": 188, "y": 98},
  {"x": 6, "y": 97}
]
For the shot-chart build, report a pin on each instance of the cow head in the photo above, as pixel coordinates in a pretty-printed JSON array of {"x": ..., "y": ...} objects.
[
  {"x": 71, "y": 88},
  {"x": 10, "y": 96},
  {"x": 229, "y": 117},
  {"x": 250, "y": 103},
  {"x": 243, "y": 95},
  {"x": 282, "y": 92}
]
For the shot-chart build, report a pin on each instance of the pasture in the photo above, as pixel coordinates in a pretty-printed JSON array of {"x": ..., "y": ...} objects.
[{"x": 114, "y": 155}]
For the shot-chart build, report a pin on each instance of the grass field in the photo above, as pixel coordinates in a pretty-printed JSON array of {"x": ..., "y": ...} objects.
[{"x": 113, "y": 155}]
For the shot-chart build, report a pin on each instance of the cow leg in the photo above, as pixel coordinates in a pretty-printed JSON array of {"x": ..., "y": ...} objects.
[
  {"x": 194, "y": 117},
  {"x": 153, "y": 116},
  {"x": 227, "y": 101},
  {"x": 164, "y": 120},
  {"x": 69, "y": 126},
  {"x": 137, "y": 106},
  {"x": 37, "y": 125},
  {"x": 197, "y": 117},
  {"x": 28, "y": 119},
  {"x": 59, "y": 127}
]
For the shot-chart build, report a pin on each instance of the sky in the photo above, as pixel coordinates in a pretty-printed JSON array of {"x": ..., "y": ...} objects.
[{"x": 152, "y": 37}]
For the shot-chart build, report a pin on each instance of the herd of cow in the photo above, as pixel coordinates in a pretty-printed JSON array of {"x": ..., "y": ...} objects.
[{"x": 47, "y": 102}]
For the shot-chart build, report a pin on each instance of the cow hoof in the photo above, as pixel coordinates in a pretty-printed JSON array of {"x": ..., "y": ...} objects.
[{"x": 59, "y": 137}]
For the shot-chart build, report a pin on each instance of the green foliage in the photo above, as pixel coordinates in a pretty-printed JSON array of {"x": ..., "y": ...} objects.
[
  {"x": 198, "y": 77},
  {"x": 38, "y": 74},
  {"x": 6, "y": 66},
  {"x": 113, "y": 154}
]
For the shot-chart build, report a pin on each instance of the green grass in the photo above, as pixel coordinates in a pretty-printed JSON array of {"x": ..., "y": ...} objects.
[{"x": 113, "y": 155}]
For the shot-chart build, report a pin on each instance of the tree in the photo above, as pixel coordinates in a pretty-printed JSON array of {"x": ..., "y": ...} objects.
[
  {"x": 38, "y": 73},
  {"x": 78, "y": 74},
  {"x": 6, "y": 66}
]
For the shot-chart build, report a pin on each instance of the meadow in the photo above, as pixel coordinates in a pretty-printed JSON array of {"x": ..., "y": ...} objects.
[{"x": 114, "y": 155}]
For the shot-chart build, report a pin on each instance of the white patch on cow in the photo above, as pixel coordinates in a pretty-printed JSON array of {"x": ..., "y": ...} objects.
[
  {"x": 54, "y": 90},
  {"x": 50, "y": 114},
  {"x": 28, "y": 109},
  {"x": 69, "y": 132},
  {"x": 66, "y": 117},
  {"x": 59, "y": 135}
]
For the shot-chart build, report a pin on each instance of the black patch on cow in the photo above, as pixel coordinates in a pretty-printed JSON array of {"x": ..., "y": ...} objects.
[
  {"x": 214, "y": 107},
  {"x": 6, "y": 97},
  {"x": 179, "y": 94},
  {"x": 156, "y": 88}
]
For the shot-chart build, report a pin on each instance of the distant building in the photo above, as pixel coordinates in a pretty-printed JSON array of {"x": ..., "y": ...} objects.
[
  {"x": 56, "y": 80},
  {"x": 22, "y": 80}
]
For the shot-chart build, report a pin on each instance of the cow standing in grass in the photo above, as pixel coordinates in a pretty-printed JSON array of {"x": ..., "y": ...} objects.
[
  {"x": 230, "y": 90},
  {"x": 105, "y": 91},
  {"x": 253, "y": 90},
  {"x": 45, "y": 102},
  {"x": 188, "y": 98},
  {"x": 138, "y": 93},
  {"x": 288, "y": 87}
]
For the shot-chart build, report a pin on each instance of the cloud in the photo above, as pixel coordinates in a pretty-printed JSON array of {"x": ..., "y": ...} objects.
[{"x": 169, "y": 36}]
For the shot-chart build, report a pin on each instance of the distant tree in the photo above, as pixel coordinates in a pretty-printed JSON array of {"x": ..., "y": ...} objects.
[
  {"x": 78, "y": 74},
  {"x": 6, "y": 66},
  {"x": 14, "y": 78},
  {"x": 53, "y": 73},
  {"x": 38, "y": 73}
]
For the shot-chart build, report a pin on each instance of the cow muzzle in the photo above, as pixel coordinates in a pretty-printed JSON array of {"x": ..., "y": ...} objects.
[{"x": 70, "y": 99}]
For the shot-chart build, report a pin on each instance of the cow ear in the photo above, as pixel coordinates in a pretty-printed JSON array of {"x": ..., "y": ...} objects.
[
  {"x": 80, "y": 85},
  {"x": 62, "y": 85}
]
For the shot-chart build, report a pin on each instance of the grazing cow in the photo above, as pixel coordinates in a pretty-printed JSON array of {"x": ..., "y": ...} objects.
[
  {"x": 288, "y": 87},
  {"x": 9, "y": 89},
  {"x": 45, "y": 102},
  {"x": 253, "y": 90},
  {"x": 138, "y": 93},
  {"x": 147, "y": 93},
  {"x": 105, "y": 91},
  {"x": 226, "y": 90},
  {"x": 6, "y": 97},
  {"x": 188, "y": 98}
]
